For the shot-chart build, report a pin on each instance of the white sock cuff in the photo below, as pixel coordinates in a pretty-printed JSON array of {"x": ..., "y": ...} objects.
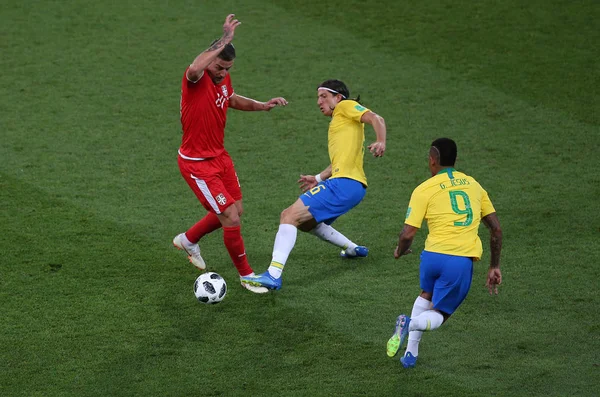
[
  {"x": 426, "y": 321},
  {"x": 320, "y": 228},
  {"x": 287, "y": 228},
  {"x": 422, "y": 303},
  {"x": 434, "y": 320},
  {"x": 185, "y": 240}
]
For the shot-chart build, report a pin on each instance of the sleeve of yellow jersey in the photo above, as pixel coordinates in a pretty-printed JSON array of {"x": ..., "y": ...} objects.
[
  {"x": 417, "y": 208},
  {"x": 486, "y": 204},
  {"x": 352, "y": 110}
]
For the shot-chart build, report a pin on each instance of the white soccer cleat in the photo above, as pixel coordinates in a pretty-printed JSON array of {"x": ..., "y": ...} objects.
[
  {"x": 193, "y": 250},
  {"x": 256, "y": 290}
]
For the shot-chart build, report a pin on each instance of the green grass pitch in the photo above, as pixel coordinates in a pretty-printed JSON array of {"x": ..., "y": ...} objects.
[{"x": 95, "y": 300}]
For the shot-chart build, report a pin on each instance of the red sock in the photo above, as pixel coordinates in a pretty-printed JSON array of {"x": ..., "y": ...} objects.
[
  {"x": 232, "y": 237},
  {"x": 208, "y": 224}
]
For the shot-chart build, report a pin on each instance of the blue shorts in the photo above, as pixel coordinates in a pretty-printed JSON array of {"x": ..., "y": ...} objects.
[
  {"x": 332, "y": 198},
  {"x": 447, "y": 277}
]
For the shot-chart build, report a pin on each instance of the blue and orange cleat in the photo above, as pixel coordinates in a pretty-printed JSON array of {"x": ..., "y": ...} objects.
[
  {"x": 399, "y": 336},
  {"x": 408, "y": 361},
  {"x": 263, "y": 280},
  {"x": 358, "y": 252}
]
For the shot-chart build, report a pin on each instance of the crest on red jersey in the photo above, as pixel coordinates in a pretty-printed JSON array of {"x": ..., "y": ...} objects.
[
  {"x": 221, "y": 199},
  {"x": 224, "y": 88}
]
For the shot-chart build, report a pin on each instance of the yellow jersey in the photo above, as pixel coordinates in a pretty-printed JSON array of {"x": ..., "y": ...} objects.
[
  {"x": 453, "y": 204},
  {"x": 346, "y": 138}
]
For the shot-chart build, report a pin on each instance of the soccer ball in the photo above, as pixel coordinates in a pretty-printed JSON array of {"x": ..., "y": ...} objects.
[{"x": 210, "y": 288}]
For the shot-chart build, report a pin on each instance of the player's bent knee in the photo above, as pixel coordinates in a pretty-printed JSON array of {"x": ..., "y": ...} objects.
[
  {"x": 287, "y": 216},
  {"x": 230, "y": 222},
  {"x": 230, "y": 217},
  {"x": 296, "y": 214}
]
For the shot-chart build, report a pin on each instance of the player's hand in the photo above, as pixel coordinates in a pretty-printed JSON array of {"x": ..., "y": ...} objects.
[
  {"x": 377, "y": 148},
  {"x": 229, "y": 27},
  {"x": 307, "y": 182},
  {"x": 397, "y": 252},
  {"x": 279, "y": 101},
  {"x": 494, "y": 279}
]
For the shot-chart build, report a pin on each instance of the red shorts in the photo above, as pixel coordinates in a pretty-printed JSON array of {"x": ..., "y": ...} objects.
[{"x": 213, "y": 180}]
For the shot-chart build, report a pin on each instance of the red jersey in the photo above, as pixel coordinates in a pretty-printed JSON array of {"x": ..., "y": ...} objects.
[{"x": 203, "y": 116}]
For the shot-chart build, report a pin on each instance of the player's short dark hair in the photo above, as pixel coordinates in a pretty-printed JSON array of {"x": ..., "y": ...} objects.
[
  {"x": 227, "y": 53},
  {"x": 447, "y": 149}
]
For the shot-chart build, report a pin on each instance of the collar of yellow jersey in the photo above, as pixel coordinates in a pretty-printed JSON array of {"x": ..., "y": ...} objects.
[{"x": 448, "y": 170}]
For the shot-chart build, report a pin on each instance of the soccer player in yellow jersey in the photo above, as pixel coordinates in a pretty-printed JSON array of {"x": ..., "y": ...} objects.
[
  {"x": 335, "y": 190},
  {"x": 453, "y": 204}
]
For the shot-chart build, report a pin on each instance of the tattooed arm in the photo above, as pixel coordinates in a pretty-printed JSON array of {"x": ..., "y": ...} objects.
[
  {"x": 494, "y": 275},
  {"x": 406, "y": 238},
  {"x": 197, "y": 67}
]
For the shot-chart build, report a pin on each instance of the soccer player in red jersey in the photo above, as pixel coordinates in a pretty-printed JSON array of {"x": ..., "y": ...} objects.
[{"x": 206, "y": 94}]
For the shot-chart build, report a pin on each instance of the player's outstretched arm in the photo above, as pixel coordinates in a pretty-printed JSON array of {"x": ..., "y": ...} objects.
[
  {"x": 494, "y": 277},
  {"x": 202, "y": 61},
  {"x": 309, "y": 181},
  {"x": 248, "y": 104},
  {"x": 378, "y": 123},
  {"x": 407, "y": 235}
]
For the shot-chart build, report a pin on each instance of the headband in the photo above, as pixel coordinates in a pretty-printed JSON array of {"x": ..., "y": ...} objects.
[{"x": 330, "y": 90}]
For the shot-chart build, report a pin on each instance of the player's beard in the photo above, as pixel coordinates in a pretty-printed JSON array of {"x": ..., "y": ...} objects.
[{"x": 216, "y": 80}]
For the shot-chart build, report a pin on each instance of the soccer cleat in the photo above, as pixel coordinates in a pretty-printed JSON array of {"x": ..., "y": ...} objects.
[
  {"x": 408, "y": 361},
  {"x": 262, "y": 280},
  {"x": 252, "y": 288},
  {"x": 400, "y": 333},
  {"x": 359, "y": 252},
  {"x": 193, "y": 251}
]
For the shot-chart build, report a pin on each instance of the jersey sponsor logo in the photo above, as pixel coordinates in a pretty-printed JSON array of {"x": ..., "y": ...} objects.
[
  {"x": 221, "y": 199},
  {"x": 408, "y": 212},
  {"x": 360, "y": 108}
]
